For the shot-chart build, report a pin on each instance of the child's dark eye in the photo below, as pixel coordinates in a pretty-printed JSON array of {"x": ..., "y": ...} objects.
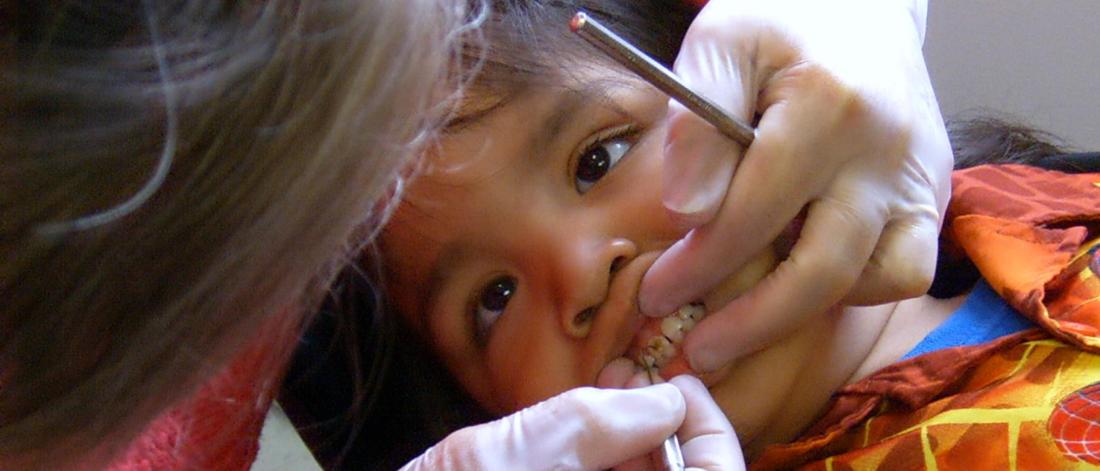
[
  {"x": 492, "y": 301},
  {"x": 597, "y": 158}
]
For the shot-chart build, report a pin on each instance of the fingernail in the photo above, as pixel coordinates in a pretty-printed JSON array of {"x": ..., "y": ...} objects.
[
  {"x": 656, "y": 309},
  {"x": 696, "y": 175},
  {"x": 703, "y": 361}
]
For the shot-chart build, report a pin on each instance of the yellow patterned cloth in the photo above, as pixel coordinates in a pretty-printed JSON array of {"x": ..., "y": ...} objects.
[{"x": 1026, "y": 401}]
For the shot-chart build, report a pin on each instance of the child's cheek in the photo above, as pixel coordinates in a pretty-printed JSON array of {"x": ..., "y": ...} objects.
[{"x": 528, "y": 369}]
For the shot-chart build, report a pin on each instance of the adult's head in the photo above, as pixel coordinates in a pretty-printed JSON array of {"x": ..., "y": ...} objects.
[{"x": 177, "y": 175}]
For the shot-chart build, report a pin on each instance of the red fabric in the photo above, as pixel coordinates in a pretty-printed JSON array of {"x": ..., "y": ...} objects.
[
  {"x": 219, "y": 428},
  {"x": 1076, "y": 424}
]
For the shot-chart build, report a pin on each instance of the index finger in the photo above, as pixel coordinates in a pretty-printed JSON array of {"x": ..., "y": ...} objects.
[
  {"x": 706, "y": 438},
  {"x": 584, "y": 428}
]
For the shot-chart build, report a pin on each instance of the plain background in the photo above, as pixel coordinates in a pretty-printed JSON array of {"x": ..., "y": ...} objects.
[{"x": 1035, "y": 60}]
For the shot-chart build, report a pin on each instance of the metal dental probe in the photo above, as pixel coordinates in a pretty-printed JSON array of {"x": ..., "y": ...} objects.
[
  {"x": 656, "y": 74},
  {"x": 671, "y": 456}
]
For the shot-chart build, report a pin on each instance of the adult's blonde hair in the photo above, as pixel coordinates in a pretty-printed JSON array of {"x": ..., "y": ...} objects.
[{"x": 175, "y": 175}]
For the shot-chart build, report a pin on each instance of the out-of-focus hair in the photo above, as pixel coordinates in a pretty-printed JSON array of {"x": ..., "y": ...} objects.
[
  {"x": 177, "y": 175},
  {"x": 988, "y": 138}
]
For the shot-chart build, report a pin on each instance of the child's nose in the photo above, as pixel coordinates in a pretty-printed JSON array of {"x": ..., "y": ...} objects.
[{"x": 592, "y": 277}]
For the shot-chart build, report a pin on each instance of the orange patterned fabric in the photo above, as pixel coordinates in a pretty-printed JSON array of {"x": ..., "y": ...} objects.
[{"x": 1026, "y": 401}]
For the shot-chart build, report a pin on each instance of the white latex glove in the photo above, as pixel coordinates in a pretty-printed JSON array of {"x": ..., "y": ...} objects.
[
  {"x": 849, "y": 128},
  {"x": 707, "y": 439},
  {"x": 592, "y": 429}
]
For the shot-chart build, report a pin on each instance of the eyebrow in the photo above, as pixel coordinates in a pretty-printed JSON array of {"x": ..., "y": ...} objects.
[
  {"x": 573, "y": 100},
  {"x": 563, "y": 112}
]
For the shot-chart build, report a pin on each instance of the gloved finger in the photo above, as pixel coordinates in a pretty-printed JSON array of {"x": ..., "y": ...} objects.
[
  {"x": 706, "y": 438},
  {"x": 584, "y": 428},
  {"x": 698, "y": 166},
  {"x": 836, "y": 242},
  {"x": 639, "y": 379},
  {"x": 640, "y": 463},
  {"x": 699, "y": 160},
  {"x": 900, "y": 266},
  {"x": 624, "y": 373},
  {"x": 770, "y": 188}
]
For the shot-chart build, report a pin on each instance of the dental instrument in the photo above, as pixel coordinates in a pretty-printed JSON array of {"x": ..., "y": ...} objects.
[
  {"x": 659, "y": 76},
  {"x": 672, "y": 457}
]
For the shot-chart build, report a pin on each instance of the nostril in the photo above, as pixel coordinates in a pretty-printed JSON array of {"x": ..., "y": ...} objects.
[
  {"x": 584, "y": 317},
  {"x": 617, "y": 264}
]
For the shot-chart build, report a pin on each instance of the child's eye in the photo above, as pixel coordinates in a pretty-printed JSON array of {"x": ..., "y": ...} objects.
[
  {"x": 597, "y": 158},
  {"x": 491, "y": 302}
]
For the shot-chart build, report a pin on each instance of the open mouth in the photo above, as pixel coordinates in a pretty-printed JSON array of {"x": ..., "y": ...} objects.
[
  {"x": 660, "y": 347},
  {"x": 657, "y": 344}
]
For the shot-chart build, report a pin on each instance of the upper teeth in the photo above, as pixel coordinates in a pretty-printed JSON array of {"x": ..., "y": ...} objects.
[
  {"x": 674, "y": 328},
  {"x": 660, "y": 349}
]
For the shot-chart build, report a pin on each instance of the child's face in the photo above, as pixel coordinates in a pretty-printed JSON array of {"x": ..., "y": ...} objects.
[
  {"x": 519, "y": 252},
  {"x": 518, "y": 255}
]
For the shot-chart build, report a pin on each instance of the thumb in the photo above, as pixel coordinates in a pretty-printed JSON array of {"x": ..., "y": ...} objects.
[
  {"x": 699, "y": 160},
  {"x": 698, "y": 167},
  {"x": 584, "y": 428}
]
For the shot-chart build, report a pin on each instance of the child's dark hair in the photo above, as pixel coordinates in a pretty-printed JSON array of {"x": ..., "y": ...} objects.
[
  {"x": 363, "y": 390},
  {"x": 525, "y": 44}
]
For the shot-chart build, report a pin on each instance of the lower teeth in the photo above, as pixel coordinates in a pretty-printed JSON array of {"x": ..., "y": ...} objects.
[{"x": 662, "y": 348}]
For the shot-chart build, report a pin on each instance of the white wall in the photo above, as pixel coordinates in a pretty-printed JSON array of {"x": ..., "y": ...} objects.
[{"x": 1038, "y": 60}]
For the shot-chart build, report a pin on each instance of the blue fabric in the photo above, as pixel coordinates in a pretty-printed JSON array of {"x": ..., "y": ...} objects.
[{"x": 982, "y": 317}]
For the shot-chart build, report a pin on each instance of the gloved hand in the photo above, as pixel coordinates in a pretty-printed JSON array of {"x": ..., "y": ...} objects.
[
  {"x": 849, "y": 129},
  {"x": 589, "y": 428},
  {"x": 707, "y": 439}
]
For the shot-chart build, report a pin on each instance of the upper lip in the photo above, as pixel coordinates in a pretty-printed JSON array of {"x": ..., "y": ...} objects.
[{"x": 621, "y": 305}]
